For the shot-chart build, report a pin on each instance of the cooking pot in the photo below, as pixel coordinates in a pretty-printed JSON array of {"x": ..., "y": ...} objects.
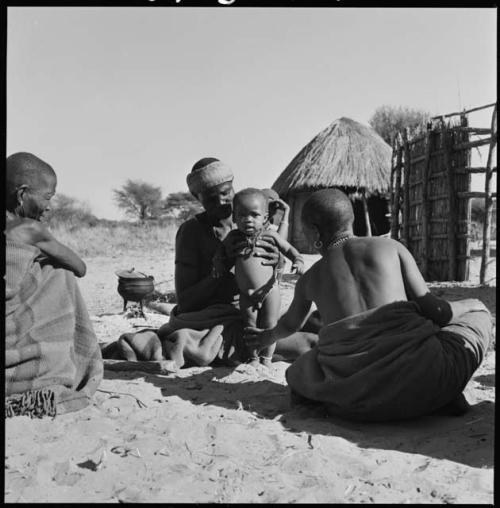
[{"x": 134, "y": 286}]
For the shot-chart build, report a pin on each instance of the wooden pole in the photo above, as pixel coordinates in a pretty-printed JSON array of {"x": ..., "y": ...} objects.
[
  {"x": 367, "y": 215},
  {"x": 452, "y": 210},
  {"x": 406, "y": 188},
  {"x": 397, "y": 185},
  {"x": 488, "y": 205},
  {"x": 460, "y": 113},
  {"x": 425, "y": 203},
  {"x": 391, "y": 185},
  {"x": 463, "y": 159}
]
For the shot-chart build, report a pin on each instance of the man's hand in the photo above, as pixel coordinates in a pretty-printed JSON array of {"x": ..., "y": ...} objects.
[
  {"x": 268, "y": 250},
  {"x": 258, "y": 338},
  {"x": 235, "y": 246}
]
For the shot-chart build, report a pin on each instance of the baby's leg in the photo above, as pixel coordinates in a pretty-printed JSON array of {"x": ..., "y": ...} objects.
[
  {"x": 267, "y": 318},
  {"x": 249, "y": 315}
]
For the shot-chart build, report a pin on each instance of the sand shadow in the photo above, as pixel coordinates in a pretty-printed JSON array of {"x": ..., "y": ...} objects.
[
  {"x": 432, "y": 436},
  {"x": 486, "y": 379}
]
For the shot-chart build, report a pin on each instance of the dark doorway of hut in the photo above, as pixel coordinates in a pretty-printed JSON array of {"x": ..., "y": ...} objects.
[
  {"x": 377, "y": 208},
  {"x": 378, "y": 212}
]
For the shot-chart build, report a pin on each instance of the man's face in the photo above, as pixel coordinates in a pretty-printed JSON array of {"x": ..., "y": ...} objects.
[
  {"x": 218, "y": 200},
  {"x": 250, "y": 213},
  {"x": 36, "y": 198}
]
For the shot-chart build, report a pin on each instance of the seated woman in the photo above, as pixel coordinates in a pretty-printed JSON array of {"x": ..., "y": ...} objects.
[
  {"x": 388, "y": 349},
  {"x": 206, "y": 324},
  {"x": 53, "y": 362}
]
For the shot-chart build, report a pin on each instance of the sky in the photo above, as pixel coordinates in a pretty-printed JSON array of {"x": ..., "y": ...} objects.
[{"x": 107, "y": 94}]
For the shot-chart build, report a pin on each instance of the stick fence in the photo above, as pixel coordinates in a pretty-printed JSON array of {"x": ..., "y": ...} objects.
[{"x": 431, "y": 194}]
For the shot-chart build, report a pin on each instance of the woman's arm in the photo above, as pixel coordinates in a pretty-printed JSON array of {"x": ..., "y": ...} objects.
[
  {"x": 267, "y": 249},
  {"x": 36, "y": 234},
  {"x": 283, "y": 227}
]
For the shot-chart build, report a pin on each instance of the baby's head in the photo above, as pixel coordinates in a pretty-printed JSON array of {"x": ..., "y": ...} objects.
[
  {"x": 30, "y": 185},
  {"x": 326, "y": 214},
  {"x": 250, "y": 211}
]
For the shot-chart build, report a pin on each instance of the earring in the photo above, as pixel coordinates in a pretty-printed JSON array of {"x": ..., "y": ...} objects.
[{"x": 318, "y": 244}]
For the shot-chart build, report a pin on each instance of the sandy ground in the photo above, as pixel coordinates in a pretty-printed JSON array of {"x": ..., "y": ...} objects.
[{"x": 229, "y": 435}]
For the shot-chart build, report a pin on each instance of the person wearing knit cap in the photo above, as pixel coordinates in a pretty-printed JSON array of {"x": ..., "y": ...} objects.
[{"x": 206, "y": 323}]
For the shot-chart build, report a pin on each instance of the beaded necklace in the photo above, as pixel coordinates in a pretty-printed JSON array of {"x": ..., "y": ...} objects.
[{"x": 340, "y": 240}]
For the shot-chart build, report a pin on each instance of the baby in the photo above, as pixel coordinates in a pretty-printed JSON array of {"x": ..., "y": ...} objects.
[
  {"x": 30, "y": 185},
  {"x": 259, "y": 292}
]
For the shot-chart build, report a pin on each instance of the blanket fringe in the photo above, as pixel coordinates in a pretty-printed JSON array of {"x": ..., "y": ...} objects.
[{"x": 35, "y": 404}]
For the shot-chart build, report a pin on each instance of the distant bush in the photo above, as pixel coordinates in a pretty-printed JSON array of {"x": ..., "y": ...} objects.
[
  {"x": 117, "y": 239},
  {"x": 71, "y": 212},
  {"x": 181, "y": 206},
  {"x": 387, "y": 121}
]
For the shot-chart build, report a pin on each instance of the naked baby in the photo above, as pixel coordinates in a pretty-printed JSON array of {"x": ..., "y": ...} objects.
[{"x": 259, "y": 291}]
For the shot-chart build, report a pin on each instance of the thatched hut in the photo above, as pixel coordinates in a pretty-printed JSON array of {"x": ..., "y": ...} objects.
[{"x": 351, "y": 157}]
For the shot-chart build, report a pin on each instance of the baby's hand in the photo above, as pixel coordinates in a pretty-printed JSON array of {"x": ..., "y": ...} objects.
[
  {"x": 298, "y": 267},
  {"x": 282, "y": 204}
]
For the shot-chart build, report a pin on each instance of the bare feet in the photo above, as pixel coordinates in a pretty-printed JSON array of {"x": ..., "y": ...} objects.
[
  {"x": 254, "y": 362},
  {"x": 266, "y": 361},
  {"x": 168, "y": 366}
]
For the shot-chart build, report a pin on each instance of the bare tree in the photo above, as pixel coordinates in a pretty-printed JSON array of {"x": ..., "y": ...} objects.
[
  {"x": 139, "y": 199},
  {"x": 181, "y": 205},
  {"x": 387, "y": 121}
]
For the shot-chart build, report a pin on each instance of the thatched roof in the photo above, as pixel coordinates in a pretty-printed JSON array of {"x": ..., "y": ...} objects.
[{"x": 345, "y": 154}]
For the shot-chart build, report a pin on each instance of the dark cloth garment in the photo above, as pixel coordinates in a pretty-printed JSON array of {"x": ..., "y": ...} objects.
[
  {"x": 391, "y": 363},
  {"x": 195, "y": 246},
  {"x": 52, "y": 358}
]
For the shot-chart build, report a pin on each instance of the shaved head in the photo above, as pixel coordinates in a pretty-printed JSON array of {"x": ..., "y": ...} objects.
[
  {"x": 25, "y": 169},
  {"x": 330, "y": 210}
]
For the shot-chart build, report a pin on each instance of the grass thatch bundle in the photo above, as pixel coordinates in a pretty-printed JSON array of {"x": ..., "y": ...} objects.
[{"x": 345, "y": 154}]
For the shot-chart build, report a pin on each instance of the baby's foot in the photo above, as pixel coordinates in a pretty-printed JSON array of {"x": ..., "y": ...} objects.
[
  {"x": 266, "y": 361},
  {"x": 254, "y": 362}
]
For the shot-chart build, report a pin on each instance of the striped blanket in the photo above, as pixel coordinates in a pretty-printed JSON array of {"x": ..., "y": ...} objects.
[
  {"x": 52, "y": 359},
  {"x": 391, "y": 363}
]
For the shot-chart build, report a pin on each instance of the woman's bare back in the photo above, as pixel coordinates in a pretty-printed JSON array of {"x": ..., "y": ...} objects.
[{"x": 355, "y": 276}]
